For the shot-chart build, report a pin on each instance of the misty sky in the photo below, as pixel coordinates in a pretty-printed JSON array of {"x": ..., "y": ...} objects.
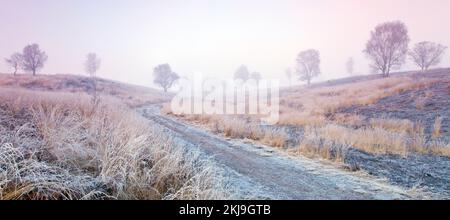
[{"x": 210, "y": 36}]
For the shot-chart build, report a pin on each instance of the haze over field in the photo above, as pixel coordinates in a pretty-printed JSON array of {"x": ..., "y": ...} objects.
[
  {"x": 213, "y": 37},
  {"x": 275, "y": 100}
]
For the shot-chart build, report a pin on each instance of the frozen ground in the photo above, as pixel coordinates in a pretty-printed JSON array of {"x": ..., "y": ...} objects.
[{"x": 257, "y": 171}]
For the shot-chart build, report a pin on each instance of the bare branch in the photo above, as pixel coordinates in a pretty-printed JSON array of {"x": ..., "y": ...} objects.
[
  {"x": 426, "y": 54},
  {"x": 164, "y": 76},
  {"x": 14, "y": 61},
  {"x": 388, "y": 46},
  {"x": 33, "y": 58}
]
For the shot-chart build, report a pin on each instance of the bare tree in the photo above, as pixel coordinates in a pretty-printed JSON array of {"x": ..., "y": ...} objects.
[
  {"x": 350, "y": 66},
  {"x": 288, "y": 73},
  {"x": 164, "y": 76},
  {"x": 91, "y": 65},
  {"x": 426, "y": 54},
  {"x": 388, "y": 46},
  {"x": 308, "y": 65},
  {"x": 242, "y": 73},
  {"x": 33, "y": 58},
  {"x": 256, "y": 76},
  {"x": 14, "y": 61}
]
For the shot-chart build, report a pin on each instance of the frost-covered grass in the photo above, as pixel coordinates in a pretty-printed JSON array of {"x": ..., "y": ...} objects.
[
  {"x": 332, "y": 141},
  {"x": 311, "y": 106},
  {"x": 56, "y": 145}
]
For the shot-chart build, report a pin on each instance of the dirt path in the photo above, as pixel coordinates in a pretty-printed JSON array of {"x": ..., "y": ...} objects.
[{"x": 263, "y": 172}]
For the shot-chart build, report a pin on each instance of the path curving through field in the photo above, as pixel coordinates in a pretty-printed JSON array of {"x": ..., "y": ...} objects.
[{"x": 262, "y": 172}]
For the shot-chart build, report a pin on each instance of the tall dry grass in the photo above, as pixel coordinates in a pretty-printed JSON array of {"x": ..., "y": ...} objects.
[
  {"x": 312, "y": 106},
  {"x": 242, "y": 127},
  {"x": 61, "y": 146},
  {"x": 332, "y": 140},
  {"x": 437, "y": 127}
]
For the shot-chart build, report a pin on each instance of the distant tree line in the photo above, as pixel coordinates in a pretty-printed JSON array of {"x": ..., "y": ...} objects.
[
  {"x": 387, "y": 49},
  {"x": 242, "y": 73}
]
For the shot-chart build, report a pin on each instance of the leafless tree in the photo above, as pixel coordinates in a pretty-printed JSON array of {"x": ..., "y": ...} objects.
[
  {"x": 388, "y": 46},
  {"x": 308, "y": 65},
  {"x": 426, "y": 54},
  {"x": 256, "y": 76},
  {"x": 14, "y": 61},
  {"x": 91, "y": 65},
  {"x": 164, "y": 76},
  {"x": 288, "y": 73},
  {"x": 350, "y": 66},
  {"x": 242, "y": 73},
  {"x": 33, "y": 58}
]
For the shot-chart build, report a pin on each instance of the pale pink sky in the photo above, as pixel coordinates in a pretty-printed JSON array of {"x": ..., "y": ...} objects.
[{"x": 213, "y": 37}]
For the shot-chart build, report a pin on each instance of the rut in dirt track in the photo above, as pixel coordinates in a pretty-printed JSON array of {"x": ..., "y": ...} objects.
[{"x": 285, "y": 177}]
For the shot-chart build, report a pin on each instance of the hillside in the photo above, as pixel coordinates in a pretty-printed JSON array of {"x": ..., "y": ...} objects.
[{"x": 131, "y": 94}]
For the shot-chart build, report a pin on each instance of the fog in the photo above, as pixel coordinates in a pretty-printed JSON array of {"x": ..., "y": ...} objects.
[{"x": 212, "y": 37}]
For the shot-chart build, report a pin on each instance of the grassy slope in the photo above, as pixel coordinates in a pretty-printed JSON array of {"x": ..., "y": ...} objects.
[
  {"x": 55, "y": 143},
  {"x": 132, "y": 95}
]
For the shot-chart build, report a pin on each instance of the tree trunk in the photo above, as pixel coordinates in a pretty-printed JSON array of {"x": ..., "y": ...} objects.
[
  {"x": 165, "y": 89},
  {"x": 383, "y": 72},
  {"x": 34, "y": 72}
]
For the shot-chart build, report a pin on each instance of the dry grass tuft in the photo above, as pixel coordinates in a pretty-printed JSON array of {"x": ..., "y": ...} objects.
[
  {"x": 275, "y": 137},
  {"x": 314, "y": 145},
  {"x": 375, "y": 140},
  {"x": 393, "y": 125},
  {"x": 437, "y": 127}
]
